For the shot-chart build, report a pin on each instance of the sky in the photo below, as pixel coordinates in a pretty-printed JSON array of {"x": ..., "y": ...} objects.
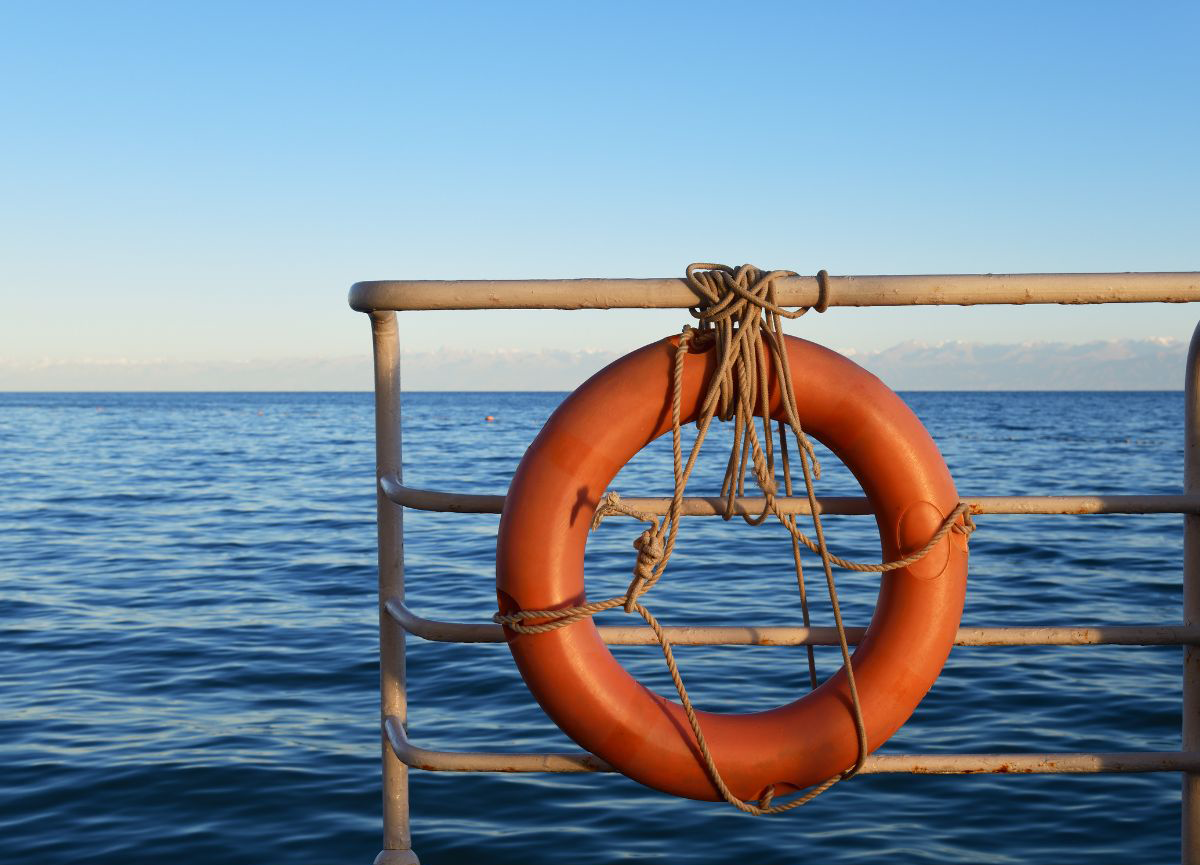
[{"x": 198, "y": 184}]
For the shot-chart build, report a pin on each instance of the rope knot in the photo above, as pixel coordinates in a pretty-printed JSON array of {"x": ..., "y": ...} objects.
[
  {"x": 650, "y": 549},
  {"x": 611, "y": 504},
  {"x": 967, "y": 527},
  {"x": 727, "y": 293},
  {"x": 650, "y": 552}
]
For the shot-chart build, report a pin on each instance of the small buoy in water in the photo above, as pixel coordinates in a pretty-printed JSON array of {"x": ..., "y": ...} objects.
[{"x": 489, "y": 418}]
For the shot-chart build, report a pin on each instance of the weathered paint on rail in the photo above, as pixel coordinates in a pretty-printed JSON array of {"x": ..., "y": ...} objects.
[
  {"x": 752, "y": 635},
  {"x": 915, "y": 764},
  {"x": 710, "y": 506},
  {"x": 967, "y": 289}
]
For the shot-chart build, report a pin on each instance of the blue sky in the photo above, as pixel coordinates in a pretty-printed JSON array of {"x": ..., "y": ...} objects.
[{"x": 202, "y": 182}]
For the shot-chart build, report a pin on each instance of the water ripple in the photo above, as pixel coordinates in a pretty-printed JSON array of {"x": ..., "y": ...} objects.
[{"x": 188, "y": 663}]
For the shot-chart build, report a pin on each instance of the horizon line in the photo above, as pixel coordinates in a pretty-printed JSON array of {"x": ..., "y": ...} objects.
[{"x": 566, "y": 391}]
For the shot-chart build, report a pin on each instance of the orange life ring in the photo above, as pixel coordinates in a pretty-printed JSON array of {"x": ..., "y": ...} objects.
[{"x": 582, "y": 687}]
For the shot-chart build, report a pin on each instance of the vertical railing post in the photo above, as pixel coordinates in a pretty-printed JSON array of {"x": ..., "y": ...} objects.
[
  {"x": 393, "y": 701},
  {"x": 1191, "y": 606}
]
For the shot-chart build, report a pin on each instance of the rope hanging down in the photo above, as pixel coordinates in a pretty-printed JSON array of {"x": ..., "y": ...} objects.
[{"x": 738, "y": 312}]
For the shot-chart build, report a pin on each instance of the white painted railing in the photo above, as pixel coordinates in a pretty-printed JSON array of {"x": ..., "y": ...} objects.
[{"x": 381, "y": 300}]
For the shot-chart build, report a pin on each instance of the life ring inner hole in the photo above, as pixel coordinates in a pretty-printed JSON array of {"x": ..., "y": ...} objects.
[{"x": 716, "y": 577}]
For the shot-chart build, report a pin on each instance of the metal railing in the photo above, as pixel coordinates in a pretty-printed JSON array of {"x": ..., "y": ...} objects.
[{"x": 381, "y": 301}]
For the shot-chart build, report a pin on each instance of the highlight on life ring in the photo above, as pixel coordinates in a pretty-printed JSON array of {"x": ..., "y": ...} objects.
[{"x": 590, "y": 696}]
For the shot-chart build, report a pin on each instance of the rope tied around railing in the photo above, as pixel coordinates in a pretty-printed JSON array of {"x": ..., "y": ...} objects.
[{"x": 739, "y": 313}]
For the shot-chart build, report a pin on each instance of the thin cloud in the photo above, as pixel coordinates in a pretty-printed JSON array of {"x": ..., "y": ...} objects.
[{"x": 1133, "y": 364}]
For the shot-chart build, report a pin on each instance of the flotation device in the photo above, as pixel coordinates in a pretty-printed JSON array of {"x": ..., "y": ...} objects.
[{"x": 590, "y": 696}]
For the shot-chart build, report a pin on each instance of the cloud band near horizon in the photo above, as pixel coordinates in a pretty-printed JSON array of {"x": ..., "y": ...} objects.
[{"x": 1135, "y": 364}]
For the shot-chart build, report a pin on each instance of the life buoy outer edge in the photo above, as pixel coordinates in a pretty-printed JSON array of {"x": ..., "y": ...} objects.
[{"x": 590, "y": 696}]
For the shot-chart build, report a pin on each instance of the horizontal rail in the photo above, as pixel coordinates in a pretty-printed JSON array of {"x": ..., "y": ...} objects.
[
  {"x": 915, "y": 764},
  {"x": 711, "y": 635},
  {"x": 673, "y": 292},
  {"x": 701, "y": 506},
  {"x": 458, "y": 761}
]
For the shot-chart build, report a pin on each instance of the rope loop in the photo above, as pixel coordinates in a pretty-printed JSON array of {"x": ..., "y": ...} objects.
[
  {"x": 822, "y": 303},
  {"x": 738, "y": 311},
  {"x": 611, "y": 504}
]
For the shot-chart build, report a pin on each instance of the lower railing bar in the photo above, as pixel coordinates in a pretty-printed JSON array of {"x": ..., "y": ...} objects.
[
  {"x": 458, "y": 761},
  {"x": 465, "y": 503},
  {"x": 917, "y": 764},
  {"x": 689, "y": 635}
]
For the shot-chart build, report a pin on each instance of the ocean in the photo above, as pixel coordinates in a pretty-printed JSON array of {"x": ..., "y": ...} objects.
[{"x": 188, "y": 640}]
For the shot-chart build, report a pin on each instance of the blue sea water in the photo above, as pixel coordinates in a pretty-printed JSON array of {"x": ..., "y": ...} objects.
[{"x": 188, "y": 655}]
